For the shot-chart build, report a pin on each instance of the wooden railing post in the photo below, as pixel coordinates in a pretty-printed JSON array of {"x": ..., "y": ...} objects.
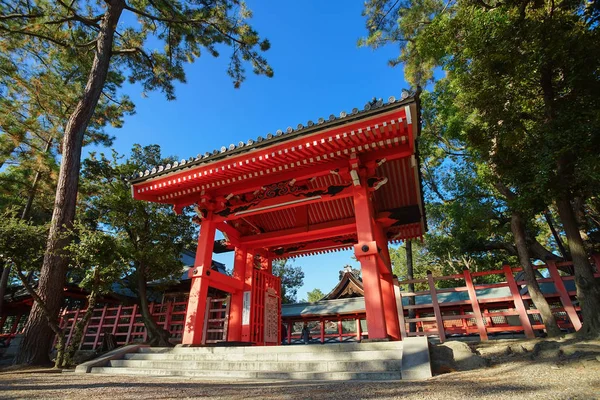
[
  {"x": 168, "y": 316},
  {"x": 75, "y": 318},
  {"x": 132, "y": 317},
  {"x": 99, "y": 327},
  {"x": 436, "y": 308},
  {"x": 518, "y": 300},
  {"x": 475, "y": 304},
  {"x": 400, "y": 309},
  {"x": 117, "y": 319},
  {"x": 322, "y": 321},
  {"x": 565, "y": 299},
  {"x": 596, "y": 258}
]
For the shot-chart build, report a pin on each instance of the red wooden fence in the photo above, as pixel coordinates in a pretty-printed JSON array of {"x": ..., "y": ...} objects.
[
  {"x": 125, "y": 322},
  {"x": 474, "y": 313},
  {"x": 483, "y": 315}
]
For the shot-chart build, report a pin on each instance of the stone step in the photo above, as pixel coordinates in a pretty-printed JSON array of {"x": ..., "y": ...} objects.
[
  {"x": 366, "y": 355},
  {"x": 272, "y": 366},
  {"x": 231, "y": 375},
  {"x": 317, "y": 348}
]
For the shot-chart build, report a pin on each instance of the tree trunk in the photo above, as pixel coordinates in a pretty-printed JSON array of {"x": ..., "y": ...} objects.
[
  {"x": 557, "y": 238},
  {"x": 69, "y": 353},
  {"x": 51, "y": 320},
  {"x": 157, "y": 336},
  {"x": 412, "y": 326},
  {"x": 518, "y": 229},
  {"x": 37, "y": 335},
  {"x": 588, "y": 289},
  {"x": 3, "y": 284}
]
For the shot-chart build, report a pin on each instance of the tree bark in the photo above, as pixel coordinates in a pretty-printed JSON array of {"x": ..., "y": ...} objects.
[
  {"x": 37, "y": 335},
  {"x": 51, "y": 320},
  {"x": 157, "y": 336},
  {"x": 412, "y": 326},
  {"x": 518, "y": 229},
  {"x": 557, "y": 238},
  {"x": 73, "y": 346},
  {"x": 3, "y": 284},
  {"x": 588, "y": 289}
]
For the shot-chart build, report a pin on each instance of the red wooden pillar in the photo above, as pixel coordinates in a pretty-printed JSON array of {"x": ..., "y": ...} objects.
[
  {"x": 248, "y": 277},
  {"x": 475, "y": 304},
  {"x": 367, "y": 254},
  {"x": 237, "y": 298},
  {"x": 565, "y": 299},
  {"x": 519, "y": 304},
  {"x": 194, "y": 318},
  {"x": 388, "y": 294}
]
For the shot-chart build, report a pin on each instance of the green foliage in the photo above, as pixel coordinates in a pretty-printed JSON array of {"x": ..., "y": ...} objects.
[
  {"x": 148, "y": 237},
  {"x": 96, "y": 259},
  {"x": 182, "y": 29},
  {"x": 292, "y": 278},
  {"x": 314, "y": 295},
  {"x": 512, "y": 125},
  {"x": 21, "y": 242}
]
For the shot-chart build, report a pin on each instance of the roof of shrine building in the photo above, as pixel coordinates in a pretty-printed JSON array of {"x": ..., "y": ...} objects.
[
  {"x": 373, "y": 107},
  {"x": 305, "y": 179}
]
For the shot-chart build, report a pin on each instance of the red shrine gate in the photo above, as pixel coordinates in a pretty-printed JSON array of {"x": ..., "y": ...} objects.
[{"x": 348, "y": 182}]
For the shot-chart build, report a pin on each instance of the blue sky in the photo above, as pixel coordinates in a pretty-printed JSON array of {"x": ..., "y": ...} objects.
[{"x": 319, "y": 70}]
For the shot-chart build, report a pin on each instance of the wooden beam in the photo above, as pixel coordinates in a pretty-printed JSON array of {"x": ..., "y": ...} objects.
[
  {"x": 304, "y": 234},
  {"x": 304, "y": 197}
]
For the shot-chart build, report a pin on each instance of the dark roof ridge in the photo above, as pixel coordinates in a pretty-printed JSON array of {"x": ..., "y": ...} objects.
[{"x": 373, "y": 106}]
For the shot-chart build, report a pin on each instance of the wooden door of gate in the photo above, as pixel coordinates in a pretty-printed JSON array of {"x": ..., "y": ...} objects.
[
  {"x": 216, "y": 317},
  {"x": 265, "y": 313}
]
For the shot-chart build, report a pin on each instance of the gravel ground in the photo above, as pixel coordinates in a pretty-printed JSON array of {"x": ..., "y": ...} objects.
[{"x": 519, "y": 378}]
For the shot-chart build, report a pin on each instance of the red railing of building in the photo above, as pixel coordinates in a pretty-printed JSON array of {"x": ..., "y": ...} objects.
[
  {"x": 476, "y": 315},
  {"x": 125, "y": 323},
  {"x": 482, "y": 316}
]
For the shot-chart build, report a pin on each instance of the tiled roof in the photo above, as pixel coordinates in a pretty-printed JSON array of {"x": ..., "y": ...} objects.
[
  {"x": 357, "y": 305},
  {"x": 373, "y": 106}
]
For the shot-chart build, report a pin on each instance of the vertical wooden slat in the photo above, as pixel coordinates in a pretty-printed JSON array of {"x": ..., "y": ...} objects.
[
  {"x": 132, "y": 317},
  {"x": 358, "y": 329},
  {"x": 565, "y": 299},
  {"x": 475, "y": 304},
  {"x": 206, "y": 314},
  {"x": 340, "y": 328},
  {"x": 436, "y": 308},
  {"x": 322, "y": 322},
  {"x": 2, "y": 321},
  {"x": 99, "y": 328},
  {"x": 226, "y": 317},
  {"x": 75, "y": 317},
  {"x": 169, "y": 312},
  {"x": 400, "y": 309},
  {"x": 596, "y": 258},
  {"x": 518, "y": 300},
  {"x": 117, "y": 319}
]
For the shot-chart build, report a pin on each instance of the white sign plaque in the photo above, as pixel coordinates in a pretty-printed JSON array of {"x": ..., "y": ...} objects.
[{"x": 246, "y": 309}]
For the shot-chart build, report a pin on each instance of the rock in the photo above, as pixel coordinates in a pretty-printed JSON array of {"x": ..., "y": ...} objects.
[
  {"x": 546, "y": 350},
  {"x": 455, "y": 356}
]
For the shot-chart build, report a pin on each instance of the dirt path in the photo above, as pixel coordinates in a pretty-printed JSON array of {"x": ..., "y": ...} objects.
[
  {"x": 520, "y": 379},
  {"x": 518, "y": 369}
]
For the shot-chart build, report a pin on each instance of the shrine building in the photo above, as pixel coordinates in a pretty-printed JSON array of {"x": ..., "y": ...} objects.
[{"x": 346, "y": 182}]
